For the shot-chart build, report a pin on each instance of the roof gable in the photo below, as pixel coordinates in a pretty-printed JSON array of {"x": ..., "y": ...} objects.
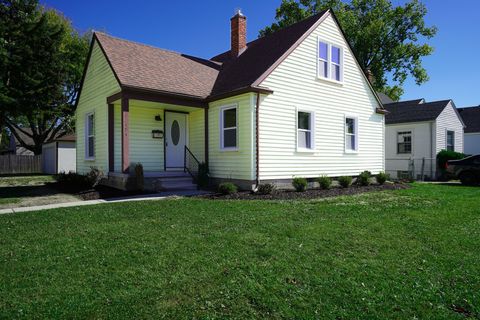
[{"x": 471, "y": 118}]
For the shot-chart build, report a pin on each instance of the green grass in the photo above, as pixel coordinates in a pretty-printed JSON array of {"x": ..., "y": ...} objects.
[
  {"x": 409, "y": 254},
  {"x": 23, "y": 180},
  {"x": 9, "y": 200}
]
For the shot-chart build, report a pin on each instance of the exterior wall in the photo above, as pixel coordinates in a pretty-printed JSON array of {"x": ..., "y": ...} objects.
[
  {"x": 472, "y": 143},
  {"x": 448, "y": 120},
  {"x": 295, "y": 85},
  {"x": 66, "y": 156},
  {"x": 196, "y": 134},
  {"x": 423, "y": 140},
  {"x": 239, "y": 164},
  {"x": 99, "y": 84}
]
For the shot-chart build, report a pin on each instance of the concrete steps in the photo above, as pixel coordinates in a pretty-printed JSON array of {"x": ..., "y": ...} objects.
[{"x": 172, "y": 181}]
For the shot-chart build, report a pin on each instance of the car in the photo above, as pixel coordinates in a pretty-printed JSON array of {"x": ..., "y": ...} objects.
[{"x": 466, "y": 169}]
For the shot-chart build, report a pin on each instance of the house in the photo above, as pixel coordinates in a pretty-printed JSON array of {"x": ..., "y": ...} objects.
[
  {"x": 293, "y": 103},
  {"x": 59, "y": 155},
  {"x": 416, "y": 131},
  {"x": 15, "y": 147},
  {"x": 471, "y": 118}
]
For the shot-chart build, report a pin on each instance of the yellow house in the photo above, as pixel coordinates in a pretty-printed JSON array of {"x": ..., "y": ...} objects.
[{"x": 294, "y": 103}]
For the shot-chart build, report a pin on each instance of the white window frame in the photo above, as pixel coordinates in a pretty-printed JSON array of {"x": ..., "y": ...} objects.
[
  {"x": 88, "y": 135},
  {"x": 312, "y": 130},
  {"x": 446, "y": 138},
  {"x": 330, "y": 63},
  {"x": 411, "y": 141},
  {"x": 222, "y": 129},
  {"x": 355, "y": 118}
]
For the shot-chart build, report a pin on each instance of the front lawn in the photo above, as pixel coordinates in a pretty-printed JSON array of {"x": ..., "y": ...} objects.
[{"x": 402, "y": 254}]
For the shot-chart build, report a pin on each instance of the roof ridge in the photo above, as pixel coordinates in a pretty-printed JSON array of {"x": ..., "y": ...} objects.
[{"x": 149, "y": 46}]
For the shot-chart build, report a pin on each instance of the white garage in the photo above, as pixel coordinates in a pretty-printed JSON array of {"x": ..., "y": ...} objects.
[{"x": 59, "y": 155}]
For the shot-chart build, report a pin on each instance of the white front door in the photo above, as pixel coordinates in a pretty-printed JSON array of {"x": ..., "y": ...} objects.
[{"x": 175, "y": 139}]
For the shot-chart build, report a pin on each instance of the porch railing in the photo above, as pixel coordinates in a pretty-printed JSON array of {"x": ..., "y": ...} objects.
[{"x": 191, "y": 164}]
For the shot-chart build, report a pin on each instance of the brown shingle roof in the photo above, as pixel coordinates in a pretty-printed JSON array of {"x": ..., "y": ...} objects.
[{"x": 141, "y": 66}]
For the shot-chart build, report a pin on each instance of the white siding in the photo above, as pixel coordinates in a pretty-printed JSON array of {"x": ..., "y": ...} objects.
[
  {"x": 472, "y": 143},
  {"x": 423, "y": 138},
  {"x": 49, "y": 158},
  {"x": 66, "y": 156},
  {"x": 449, "y": 120},
  {"x": 295, "y": 85}
]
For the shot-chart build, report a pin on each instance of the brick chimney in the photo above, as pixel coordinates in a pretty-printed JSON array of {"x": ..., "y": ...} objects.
[{"x": 238, "y": 33}]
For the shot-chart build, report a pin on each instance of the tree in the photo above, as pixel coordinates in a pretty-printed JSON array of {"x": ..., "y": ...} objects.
[
  {"x": 41, "y": 63},
  {"x": 387, "y": 40}
]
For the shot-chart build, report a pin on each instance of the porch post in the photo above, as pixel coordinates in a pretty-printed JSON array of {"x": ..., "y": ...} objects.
[
  {"x": 111, "y": 137},
  {"x": 125, "y": 136}
]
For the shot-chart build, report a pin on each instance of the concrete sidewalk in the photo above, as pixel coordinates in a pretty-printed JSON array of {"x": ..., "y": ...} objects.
[{"x": 156, "y": 196}]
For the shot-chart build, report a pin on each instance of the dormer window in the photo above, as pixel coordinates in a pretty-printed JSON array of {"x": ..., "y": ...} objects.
[{"x": 330, "y": 61}]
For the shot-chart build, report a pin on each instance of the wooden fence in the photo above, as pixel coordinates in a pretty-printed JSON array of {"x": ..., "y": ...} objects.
[{"x": 13, "y": 164}]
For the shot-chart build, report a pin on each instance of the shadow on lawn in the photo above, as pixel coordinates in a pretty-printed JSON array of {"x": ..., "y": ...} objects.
[{"x": 27, "y": 191}]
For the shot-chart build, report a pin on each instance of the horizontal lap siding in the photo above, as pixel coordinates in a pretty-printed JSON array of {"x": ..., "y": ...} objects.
[
  {"x": 295, "y": 85},
  {"x": 99, "y": 83},
  {"x": 196, "y": 132},
  {"x": 449, "y": 120},
  {"x": 232, "y": 164}
]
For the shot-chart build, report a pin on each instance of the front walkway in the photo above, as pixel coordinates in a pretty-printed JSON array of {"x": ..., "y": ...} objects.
[{"x": 156, "y": 196}]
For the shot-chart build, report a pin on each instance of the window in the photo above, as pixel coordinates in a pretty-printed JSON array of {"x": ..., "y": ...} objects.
[
  {"x": 330, "y": 61},
  {"x": 90, "y": 136},
  {"x": 228, "y": 128},
  {"x": 404, "y": 142},
  {"x": 351, "y": 134},
  {"x": 450, "y": 140},
  {"x": 305, "y": 124}
]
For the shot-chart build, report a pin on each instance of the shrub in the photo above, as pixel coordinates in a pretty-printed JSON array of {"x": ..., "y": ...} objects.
[
  {"x": 139, "y": 176},
  {"x": 267, "y": 188},
  {"x": 227, "y": 188},
  {"x": 345, "y": 181},
  {"x": 382, "y": 177},
  {"x": 72, "y": 181},
  {"x": 364, "y": 178},
  {"x": 442, "y": 158},
  {"x": 202, "y": 179},
  {"x": 300, "y": 184},
  {"x": 325, "y": 182}
]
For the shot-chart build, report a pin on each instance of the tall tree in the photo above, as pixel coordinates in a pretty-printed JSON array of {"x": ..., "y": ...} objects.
[
  {"x": 387, "y": 40},
  {"x": 41, "y": 63}
]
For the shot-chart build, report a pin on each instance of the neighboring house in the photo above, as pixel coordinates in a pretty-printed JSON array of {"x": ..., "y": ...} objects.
[
  {"x": 16, "y": 147},
  {"x": 59, "y": 155},
  {"x": 416, "y": 131},
  {"x": 384, "y": 99},
  {"x": 294, "y": 103},
  {"x": 471, "y": 118}
]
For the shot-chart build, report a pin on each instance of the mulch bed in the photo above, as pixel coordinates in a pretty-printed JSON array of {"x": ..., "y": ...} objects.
[{"x": 309, "y": 194}]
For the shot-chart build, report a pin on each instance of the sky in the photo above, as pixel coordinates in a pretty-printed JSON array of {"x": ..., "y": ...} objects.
[{"x": 202, "y": 28}]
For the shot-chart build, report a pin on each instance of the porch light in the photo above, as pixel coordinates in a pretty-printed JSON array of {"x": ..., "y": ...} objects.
[{"x": 158, "y": 118}]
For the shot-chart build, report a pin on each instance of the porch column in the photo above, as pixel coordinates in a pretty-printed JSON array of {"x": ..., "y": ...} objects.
[
  {"x": 125, "y": 136},
  {"x": 111, "y": 138}
]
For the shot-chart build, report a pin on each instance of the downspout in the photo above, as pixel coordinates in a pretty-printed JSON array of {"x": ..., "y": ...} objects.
[
  {"x": 257, "y": 161},
  {"x": 432, "y": 162}
]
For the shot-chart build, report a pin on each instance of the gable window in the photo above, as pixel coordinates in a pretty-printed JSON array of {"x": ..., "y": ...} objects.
[
  {"x": 404, "y": 142},
  {"x": 229, "y": 128},
  {"x": 450, "y": 140},
  {"x": 351, "y": 134},
  {"x": 305, "y": 125},
  {"x": 330, "y": 61},
  {"x": 90, "y": 136}
]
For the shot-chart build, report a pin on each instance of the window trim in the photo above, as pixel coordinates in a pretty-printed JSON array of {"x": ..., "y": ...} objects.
[
  {"x": 312, "y": 130},
  {"x": 222, "y": 129},
  {"x": 87, "y": 136},
  {"x": 446, "y": 138},
  {"x": 411, "y": 141},
  {"x": 355, "y": 118},
  {"x": 329, "y": 61}
]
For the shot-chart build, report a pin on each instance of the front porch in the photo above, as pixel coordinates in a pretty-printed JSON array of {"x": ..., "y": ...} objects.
[{"x": 166, "y": 135}]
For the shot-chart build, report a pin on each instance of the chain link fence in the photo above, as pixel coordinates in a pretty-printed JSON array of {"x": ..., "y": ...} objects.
[{"x": 412, "y": 169}]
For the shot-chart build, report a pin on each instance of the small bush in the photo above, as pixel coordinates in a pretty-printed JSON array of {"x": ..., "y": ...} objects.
[
  {"x": 203, "y": 178},
  {"x": 139, "y": 178},
  {"x": 300, "y": 184},
  {"x": 267, "y": 188},
  {"x": 364, "y": 178},
  {"x": 382, "y": 177},
  {"x": 325, "y": 182},
  {"x": 345, "y": 181},
  {"x": 226, "y": 188},
  {"x": 442, "y": 158},
  {"x": 72, "y": 181}
]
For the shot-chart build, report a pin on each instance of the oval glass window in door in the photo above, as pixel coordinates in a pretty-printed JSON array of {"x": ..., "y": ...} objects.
[{"x": 175, "y": 132}]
